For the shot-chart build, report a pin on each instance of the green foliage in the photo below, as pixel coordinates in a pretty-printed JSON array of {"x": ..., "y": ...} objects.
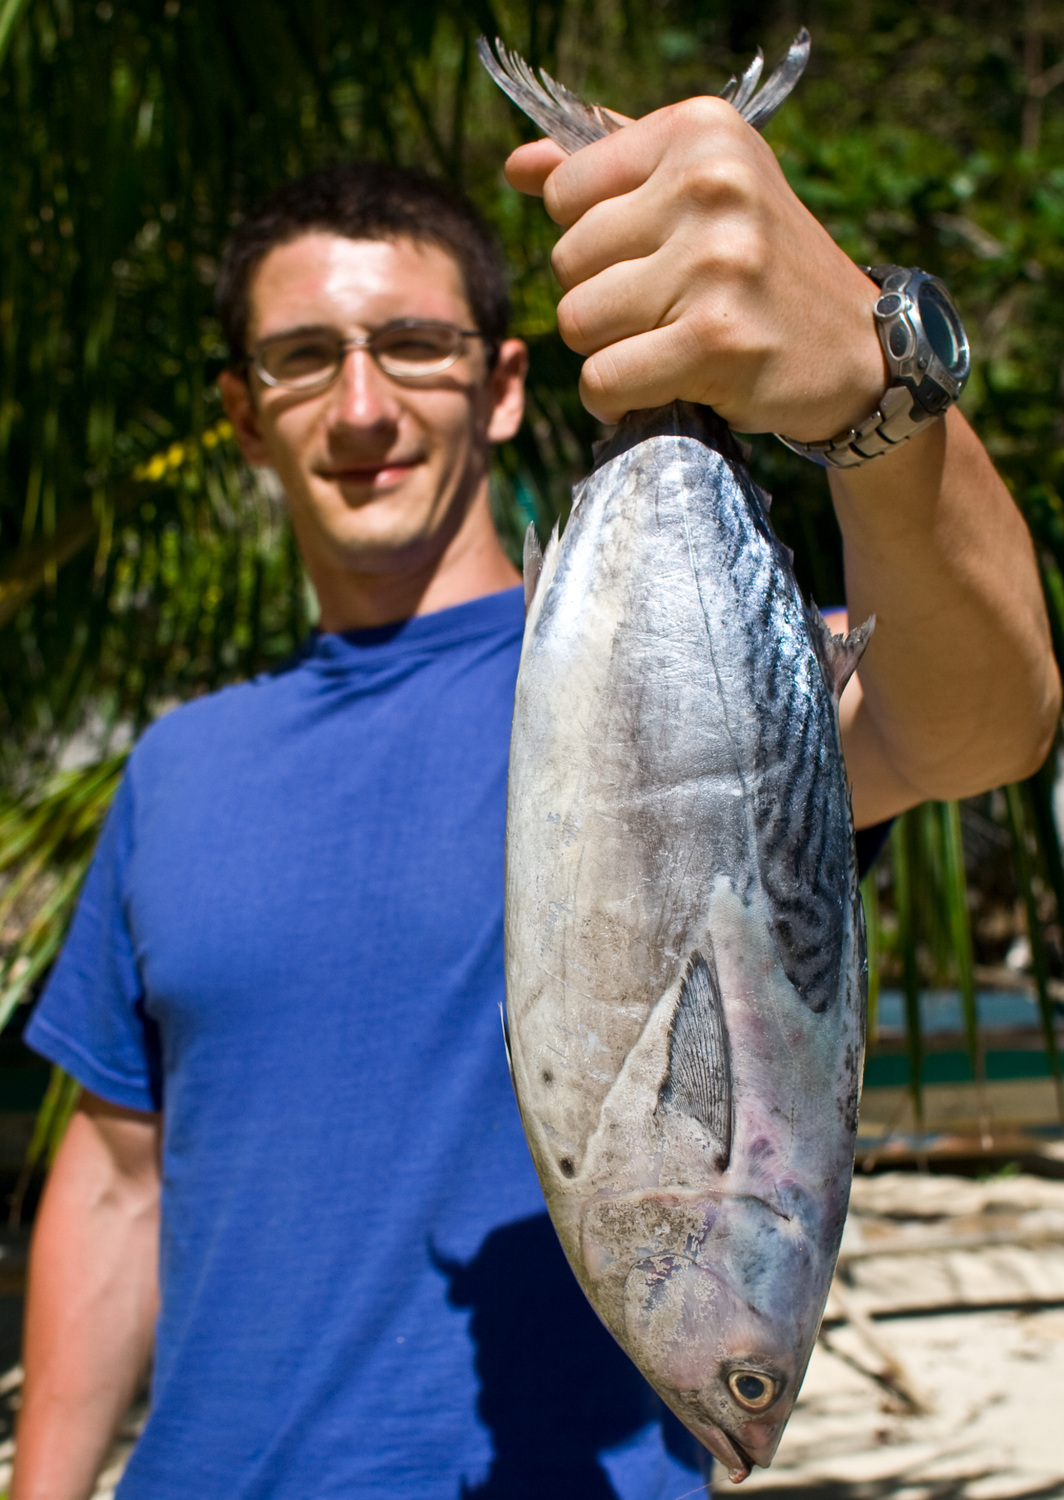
[
  {"x": 140, "y": 563},
  {"x": 53, "y": 1117},
  {"x": 46, "y": 841}
]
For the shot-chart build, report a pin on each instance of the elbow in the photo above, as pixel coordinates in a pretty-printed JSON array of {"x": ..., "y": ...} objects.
[
  {"x": 1000, "y": 747},
  {"x": 1042, "y": 728},
  {"x": 1024, "y": 739}
]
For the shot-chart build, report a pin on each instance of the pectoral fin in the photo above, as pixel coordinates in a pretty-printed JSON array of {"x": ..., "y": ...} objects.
[
  {"x": 699, "y": 1080},
  {"x": 506, "y": 1044}
]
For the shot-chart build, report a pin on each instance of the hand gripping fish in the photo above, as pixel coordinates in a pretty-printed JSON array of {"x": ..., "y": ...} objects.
[{"x": 685, "y": 961}]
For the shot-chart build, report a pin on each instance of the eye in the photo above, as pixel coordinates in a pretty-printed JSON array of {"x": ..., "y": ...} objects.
[
  {"x": 311, "y": 354},
  {"x": 300, "y": 358},
  {"x": 753, "y": 1389},
  {"x": 417, "y": 349},
  {"x": 411, "y": 347}
]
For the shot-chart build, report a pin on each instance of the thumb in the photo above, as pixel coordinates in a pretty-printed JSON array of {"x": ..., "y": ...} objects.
[{"x": 528, "y": 168}]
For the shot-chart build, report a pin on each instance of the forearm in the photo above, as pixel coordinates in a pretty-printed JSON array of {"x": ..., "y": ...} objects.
[
  {"x": 692, "y": 272},
  {"x": 958, "y": 690},
  {"x": 89, "y": 1319}
]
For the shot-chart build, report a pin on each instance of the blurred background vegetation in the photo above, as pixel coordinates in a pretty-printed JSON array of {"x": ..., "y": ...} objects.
[{"x": 141, "y": 563}]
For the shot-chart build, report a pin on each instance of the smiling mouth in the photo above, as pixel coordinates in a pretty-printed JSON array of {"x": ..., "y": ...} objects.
[{"x": 386, "y": 472}]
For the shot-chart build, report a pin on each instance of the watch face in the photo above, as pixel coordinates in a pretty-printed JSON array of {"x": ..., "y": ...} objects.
[{"x": 943, "y": 329}]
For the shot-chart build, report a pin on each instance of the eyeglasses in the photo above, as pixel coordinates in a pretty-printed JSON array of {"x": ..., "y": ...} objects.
[{"x": 313, "y": 357}]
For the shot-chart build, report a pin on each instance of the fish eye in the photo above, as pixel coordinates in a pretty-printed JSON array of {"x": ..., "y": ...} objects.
[{"x": 753, "y": 1389}]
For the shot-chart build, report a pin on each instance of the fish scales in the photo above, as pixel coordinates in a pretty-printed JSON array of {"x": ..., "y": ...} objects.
[{"x": 685, "y": 967}]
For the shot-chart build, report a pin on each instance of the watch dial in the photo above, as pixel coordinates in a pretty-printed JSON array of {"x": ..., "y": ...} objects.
[{"x": 943, "y": 329}]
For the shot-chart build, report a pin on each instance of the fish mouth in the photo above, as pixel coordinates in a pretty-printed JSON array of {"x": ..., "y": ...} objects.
[{"x": 729, "y": 1451}]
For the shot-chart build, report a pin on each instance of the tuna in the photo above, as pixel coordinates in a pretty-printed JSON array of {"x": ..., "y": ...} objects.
[{"x": 685, "y": 963}]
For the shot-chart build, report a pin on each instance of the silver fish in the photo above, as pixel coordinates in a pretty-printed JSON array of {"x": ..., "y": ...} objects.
[{"x": 685, "y": 961}]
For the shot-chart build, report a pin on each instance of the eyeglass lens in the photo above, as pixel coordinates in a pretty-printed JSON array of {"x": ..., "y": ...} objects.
[{"x": 309, "y": 358}]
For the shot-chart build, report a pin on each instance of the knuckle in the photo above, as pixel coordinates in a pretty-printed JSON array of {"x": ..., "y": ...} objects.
[
  {"x": 575, "y": 324},
  {"x": 598, "y": 387},
  {"x": 708, "y": 339},
  {"x": 694, "y": 117},
  {"x": 562, "y": 193},
  {"x": 734, "y": 260},
  {"x": 746, "y": 255},
  {"x": 553, "y": 201},
  {"x": 561, "y": 262},
  {"x": 716, "y": 182}
]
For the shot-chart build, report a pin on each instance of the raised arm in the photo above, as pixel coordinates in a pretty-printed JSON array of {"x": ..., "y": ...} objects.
[
  {"x": 692, "y": 271},
  {"x": 962, "y": 692},
  {"x": 92, "y": 1299}
]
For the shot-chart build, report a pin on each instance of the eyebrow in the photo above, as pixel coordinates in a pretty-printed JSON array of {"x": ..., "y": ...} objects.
[{"x": 300, "y": 330}]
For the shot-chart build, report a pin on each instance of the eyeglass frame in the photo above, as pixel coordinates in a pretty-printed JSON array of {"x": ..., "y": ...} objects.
[{"x": 365, "y": 341}]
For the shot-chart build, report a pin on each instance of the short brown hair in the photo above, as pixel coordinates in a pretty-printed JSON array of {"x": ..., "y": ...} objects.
[{"x": 366, "y": 201}]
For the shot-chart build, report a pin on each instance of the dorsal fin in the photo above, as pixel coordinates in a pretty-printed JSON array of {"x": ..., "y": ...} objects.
[
  {"x": 699, "y": 1081},
  {"x": 533, "y": 565},
  {"x": 840, "y": 654}
]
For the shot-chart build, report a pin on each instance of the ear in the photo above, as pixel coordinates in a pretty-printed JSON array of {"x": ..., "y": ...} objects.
[
  {"x": 241, "y": 410},
  {"x": 507, "y": 384}
]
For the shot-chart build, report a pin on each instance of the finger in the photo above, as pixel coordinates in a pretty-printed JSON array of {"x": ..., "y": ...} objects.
[
  {"x": 621, "y": 301},
  {"x": 622, "y": 229},
  {"x": 624, "y": 160},
  {"x": 710, "y": 266},
  {"x": 528, "y": 168},
  {"x": 651, "y": 369}
]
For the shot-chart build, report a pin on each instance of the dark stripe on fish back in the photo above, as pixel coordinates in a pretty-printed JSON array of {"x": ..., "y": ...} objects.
[{"x": 800, "y": 801}]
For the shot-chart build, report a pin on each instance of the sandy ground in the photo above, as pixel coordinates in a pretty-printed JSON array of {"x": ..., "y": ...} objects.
[
  {"x": 939, "y": 1374},
  {"x": 993, "y": 1384}
]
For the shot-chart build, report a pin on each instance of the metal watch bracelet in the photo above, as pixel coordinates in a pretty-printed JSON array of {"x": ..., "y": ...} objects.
[
  {"x": 928, "y": 357},
  {"x": 889, "y": 425}
]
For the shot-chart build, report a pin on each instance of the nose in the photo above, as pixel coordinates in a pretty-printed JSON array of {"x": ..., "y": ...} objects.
[{"x": 362, "y": 397}]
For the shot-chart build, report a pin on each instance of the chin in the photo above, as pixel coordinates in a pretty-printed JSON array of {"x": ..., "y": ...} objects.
[{"x": 387, "y": 551}]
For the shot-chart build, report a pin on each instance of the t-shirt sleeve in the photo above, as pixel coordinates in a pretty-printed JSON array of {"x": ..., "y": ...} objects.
[{"x": 90, "y": 1019}]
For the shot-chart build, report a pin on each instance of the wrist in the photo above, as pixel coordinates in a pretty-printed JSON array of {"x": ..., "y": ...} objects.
[
  {"x": 925, "y": 351},
  {"x": 849, "y": 366}
]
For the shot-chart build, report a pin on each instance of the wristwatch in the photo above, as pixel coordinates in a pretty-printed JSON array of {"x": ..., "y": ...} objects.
[{"x": 927, "y": 353}]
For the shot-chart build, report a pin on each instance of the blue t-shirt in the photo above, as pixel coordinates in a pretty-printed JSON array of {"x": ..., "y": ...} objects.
[{"x": 291, "y": 942}]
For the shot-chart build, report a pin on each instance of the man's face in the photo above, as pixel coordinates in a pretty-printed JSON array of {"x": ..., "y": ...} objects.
[{"x": 379, "y": 472}]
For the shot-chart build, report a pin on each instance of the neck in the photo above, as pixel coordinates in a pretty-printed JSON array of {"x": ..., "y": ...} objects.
[{"x": 471, "y": 564}]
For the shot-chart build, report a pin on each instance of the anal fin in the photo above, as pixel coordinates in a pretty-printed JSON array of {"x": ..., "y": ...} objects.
[{"x": 699, "y": 1080}]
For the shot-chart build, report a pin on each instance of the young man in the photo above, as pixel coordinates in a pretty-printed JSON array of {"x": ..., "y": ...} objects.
[{"x": 298, "y": 1158}]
